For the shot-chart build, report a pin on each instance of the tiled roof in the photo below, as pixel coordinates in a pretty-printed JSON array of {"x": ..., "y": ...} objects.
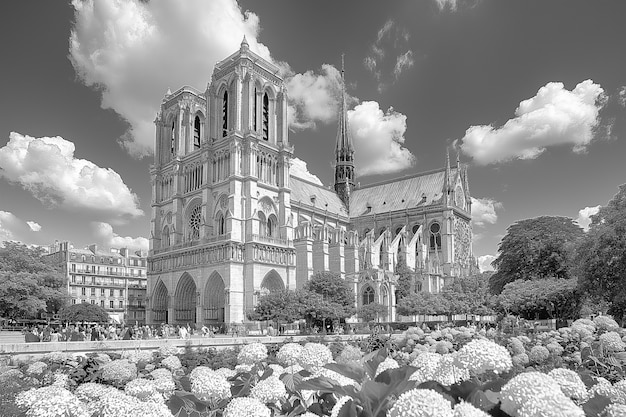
[
  {"x": 398, "y": 194},
  {"x": 302, "y": 192}
]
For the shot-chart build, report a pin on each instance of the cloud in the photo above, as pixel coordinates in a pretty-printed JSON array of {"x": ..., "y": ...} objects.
[
  {"x": 34, "y": 226},
  {"x": 378, "y": 139},
  {"x": 621, "y": 96},
  {"x": 484, "y": 211},
  {"x": 447, "y": 4},
  {"x": 484, "y": 262},
  {"x": 47, "y": 168},
  {"x": 105, "y": 236},
  {"x": 299, "y": 169},
  {"x": 390, "y": 40},
  {"x": 313, "y": 97},
  {"x": 584, "y": 216},
  {"x": 132, "y": 51},
  {"x": 554, "y": 116}
]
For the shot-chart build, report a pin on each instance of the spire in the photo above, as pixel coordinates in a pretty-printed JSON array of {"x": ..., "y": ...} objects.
[
  {"x": 244, "y": 45},
  {"x": 344, "y": 150},
  {"x": 446, "y": 183}
]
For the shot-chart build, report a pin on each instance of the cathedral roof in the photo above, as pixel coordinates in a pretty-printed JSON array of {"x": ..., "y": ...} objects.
[
  {"x": 419, "y": 190},
  {"x": 310, "y": 194}
]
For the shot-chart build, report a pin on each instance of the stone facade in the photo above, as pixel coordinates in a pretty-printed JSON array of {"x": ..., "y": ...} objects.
[{"x": 229, "y": 223}]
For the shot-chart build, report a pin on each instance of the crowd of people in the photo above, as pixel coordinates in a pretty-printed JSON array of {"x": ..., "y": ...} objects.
[{"x": 100, "y": 332}]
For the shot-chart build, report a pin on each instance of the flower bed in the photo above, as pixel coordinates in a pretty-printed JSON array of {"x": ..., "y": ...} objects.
[{"x": 576, "y": 371}]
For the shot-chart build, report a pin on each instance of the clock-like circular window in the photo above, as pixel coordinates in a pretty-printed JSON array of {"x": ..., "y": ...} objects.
[{"x": 434, "y": 228}]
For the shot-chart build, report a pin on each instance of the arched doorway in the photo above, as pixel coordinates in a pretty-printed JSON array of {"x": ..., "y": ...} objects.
[
  {"x": 273, "y": 282},
  {"x": 159, "y": 303},
  {"x": 186, "y": 299},
  {"x": 214, "y": 300}
]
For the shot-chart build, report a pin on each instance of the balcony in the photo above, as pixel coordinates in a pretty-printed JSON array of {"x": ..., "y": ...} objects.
[{"x": 192, "y": 243}]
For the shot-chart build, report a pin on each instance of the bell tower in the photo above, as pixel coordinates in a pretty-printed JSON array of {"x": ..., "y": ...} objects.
[{"x": 344, "y": 151}]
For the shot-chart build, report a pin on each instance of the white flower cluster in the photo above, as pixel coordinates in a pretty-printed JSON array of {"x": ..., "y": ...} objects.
[
  {"x": 315, "y": 355},
  {"x": 464, "y": 409},
  {"x": 208, "y": 385},
  {"x": 612, "y": 341},
  {"x": 605, "y": 323},
  {"x": 143, "y": 389},
  {"x": 10, "y": 374},
  {"x": 252, "y": 353},
  {"x": 51, "y": 401},
  {"x": 119, "y": 371},
  {"x": 447, "y": 371},
  {"x": 421, "y": 403},
  {"x": 481, "y": 355},
  {"x": 614, "y": 410},
  {"x": 60, "y": 379},
  {"x": 36, "y": 368},
  {"x": 246, "y": 407},
  {"x": 172, "y": 363},
  {"x": 334, "y": 376},
  {"x": 350, "y": 355},
  {"x": 161, "y": 373},
  {"x": 536, "y": 394},
  {"x": 341, "y": 402},
  {"x": 289, "y": 354},
  {"x": 168, "y": 350},
  {"x": 59, "y": 357},
  {"x": 119, "y": 404},
  {"x": 137, "y": 356},
  {"x": 538, "y": 354},
  {"x": 226, "y": 373},
  {"x": 91, "y": 392},
  {"x": 604, "y": 388},
  {"x": 570, "y": 383},
  {"x": 269, "y": 390},
  {"x": 388, "y": 363},
  {"x": 426, "y": 364}
]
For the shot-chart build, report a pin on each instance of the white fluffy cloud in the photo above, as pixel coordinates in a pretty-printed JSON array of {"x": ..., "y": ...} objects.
[
  {"x": 584, "y": 216},
  {"x": 34, "y": 226},
  {"x": 299, "y": 169},
  {"x": 554, "y": 116},
  {"x": 47, "y": 168},
  {"x": 484, "y": 262},
  {"x": 134, "y": 50},
  {"x": 484, "y": 211},
  {"x": 378, "y": 139},
  {"x": 105, "y": 236},
  {"x": 314, "y": 97}
]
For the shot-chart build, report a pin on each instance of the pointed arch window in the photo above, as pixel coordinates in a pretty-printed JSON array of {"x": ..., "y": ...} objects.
[
  {"x": 221, "y": 224},
  {"x": 196, "y": 133},
  {"x": 165, "y": 239},
  {"x": 195, "y": 218},
  {"x": 173, "y": 138},
  {"x": 368, "y": 295},
  {"x": 225, "y": 114},
  {"x": 255, "y": 107},
  {"x": 271, "y": 226},
  {"x": 266, "y": 117},
  {"x": 435, "y": 236}
]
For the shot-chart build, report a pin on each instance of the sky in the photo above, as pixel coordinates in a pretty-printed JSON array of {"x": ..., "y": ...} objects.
[{"x": 531, "y": 94}]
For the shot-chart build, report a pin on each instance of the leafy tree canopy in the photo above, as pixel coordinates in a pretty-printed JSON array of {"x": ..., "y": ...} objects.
[
  {"x": 334, "y": 290},
  {"x": 371, "y": 311},
  {"x": 422, "y": 303},
  {"x": 534, "y": 249},
  {"x": 469, "y": 295},
  {"x": 600, "y": 262},
  {"x": 548, "y": 297},
  {"x": 84, "y": 312},
  {"x": 280, "y": 307}
]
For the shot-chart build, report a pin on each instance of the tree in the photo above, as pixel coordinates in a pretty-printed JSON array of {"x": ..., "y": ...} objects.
[
  {"x": 549, "y": 297},
  {"x": 84, "y": 312},
  {"x": 534, "y": 249},
  {"x": 336, "y": 293},
  {"x": 279, "y": 307},
  {"x": 422, "y": 303},
  {"x": 469, "y": 295},
  {"x": 600, "y": 262},
  {"x": 371, "y": 311},
  {"x": 29, "y": 282}
]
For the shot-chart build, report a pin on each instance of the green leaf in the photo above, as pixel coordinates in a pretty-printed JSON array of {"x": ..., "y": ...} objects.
[
  {"x": 347, "y": 371},
  {"x": 594, "y": 406},
  {"x": 319, "y": 384}
]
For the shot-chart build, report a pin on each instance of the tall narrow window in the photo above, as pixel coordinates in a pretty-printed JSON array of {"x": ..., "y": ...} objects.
[
  {"x": 225, "y": 114},
  {"x": 254, "y": 109},
  {"x": 368, "y": 295},
  {"x": 173, "y": 138},
  {"x": 266, "y": 117},
  {"x": 196, "y": 133},
  {"x": 435, "y": 236}
]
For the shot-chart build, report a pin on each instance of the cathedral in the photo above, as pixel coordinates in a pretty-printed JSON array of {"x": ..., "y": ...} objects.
[{"x": 230, "y": 223}]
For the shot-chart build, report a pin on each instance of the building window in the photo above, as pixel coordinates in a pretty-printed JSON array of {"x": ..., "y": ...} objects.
[
  {"x": 271, "y": 226},
  {"x": 173, "y": 138},
  {"x": 82, "y": 279},
  {"x": 368, "y": 295},
  {"x": 196, "y": 133},
  {"x": 266, "y": 117},
  {"x": 165, "y": 240},
  {"x": 93, "y": 301},
  {"x": 93, "y": 280},
  {"x": 93, "y": 291},
  {"x": 102, "y": 292},
  {"x": 73, "y": 300},
  {"x": 121, "y": 304},
  {"x": 254, "y": 99},
  {"x": 121, "y": 293},
  {"x": 110, "y": 304},
  {"x": 102, "y": 303},
  {"x": 111, "y": 293},
  {"x": 435, "y": 236},
  {"x": 221, "y": 224},
  {"x": 74, "y": 278},
  {"x": 194, "y": 223},
  {"x": 83, "y": 291},
  {"x": 73, "y": 267},
  {"x": 225, "y": 114}
]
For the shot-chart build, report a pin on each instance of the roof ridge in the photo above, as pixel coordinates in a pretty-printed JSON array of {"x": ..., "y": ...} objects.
[
  {"x": 312, "y": 183},
  {"x": 406, "y": 177}
]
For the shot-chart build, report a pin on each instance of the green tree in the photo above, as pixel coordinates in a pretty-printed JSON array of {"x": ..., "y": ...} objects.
[
  {"x": 534, "y": 249},
  {"x": 371, "y": 311},
  {"x": 336, "y": 293},
  {"x": 84, "y": 312},
  {"x": 406, "y": 280},
  {"x": 279, "y": 307},
  {"x": 548, "y": 297},
  {"x": 30, "y": 283},
  {"x": 469, "y": 295},
  {"x": 422, "y": 303},
  {"x": 600, "y": 262}
]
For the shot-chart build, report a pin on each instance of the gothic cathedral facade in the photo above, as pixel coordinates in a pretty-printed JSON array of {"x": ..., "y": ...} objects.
[{"x": 229, "y": 223}]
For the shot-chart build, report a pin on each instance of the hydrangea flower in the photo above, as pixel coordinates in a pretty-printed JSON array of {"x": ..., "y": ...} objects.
[
  {"x": 480, "y": 355},
  {"x": 172, "y": 363},
  {"x": 520, "y": 359},
  {"x": 521, "y": 388},
  {"x": 335, "y": 376},
  {"x": 614, "y": 410},
  {"x": 36, "y": 368},
  {"x": 612, "y": 341},
  {"x": 210, "y": 386},
  {"x": 243, "y": 368},
  {"x": 315, "y": 355},
  {"x": 341, "y": 402},
  {"x": 122, "y": 405},
  {"x": 246, "y": 407},
  {"x": 137, "y": 356},
  {"x": 59, "y": 357},
  {"x": 555, "y": 348},
  {"x": 427, "y": 364},
  {"x": 168, "y": 350},
  {"x": 516, "y": 346},
  {"x": 539, "y": 354},
  {"x": 606, "y": 323},
  {"x": 227, "y": 373},
  {"x": 51, "y": 401},
  {"x": 570, "y": 383},
  {"x": 141, "y": 388},
  {"x": 349, "y": 355},
  {"x": 289, "y": 354},
  {"x": 464, "y": 409},
  {"x": 550, "y": 405},
  {"x": 605, "y": 389},
  {"x": 421, "y": 403},
  {"x": 269, "y": 390},
  {"x": 91, "y": 391},
  {"x": 161, "y": 373},
  {"x": 119, "y": 371},
  {"x": 164, "y": 386},
  {"x": 448, "y": 373},
  {"x": 278, "y": 370},
  {"x": 252, "y": 353},
  {"x": 388, "y": 363}
]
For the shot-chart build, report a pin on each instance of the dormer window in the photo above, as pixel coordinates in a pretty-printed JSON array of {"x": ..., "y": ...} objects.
[
  {"x": 225, "y": 114},
  {"x": 266, "y": 117}
]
